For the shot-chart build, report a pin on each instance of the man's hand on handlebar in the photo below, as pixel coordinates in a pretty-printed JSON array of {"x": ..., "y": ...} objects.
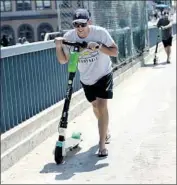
[
  {"x": 59, "y": 41},
  {"x": 163, "y": 27},
  {"x": 93, "y": 45}
]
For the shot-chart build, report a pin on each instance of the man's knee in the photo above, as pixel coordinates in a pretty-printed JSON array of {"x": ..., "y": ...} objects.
[
  {"x": 94, "y": 104},
  {"x": 168, "y": 49},
  {"x": 101, "y": 105}
]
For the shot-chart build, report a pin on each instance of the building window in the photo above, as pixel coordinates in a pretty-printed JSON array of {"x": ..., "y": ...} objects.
[
  {"x": 43, "y": 29},
  {"x": 26, "y": 31},
  {"x": 22, "y": 5},
  {"x": 6, "y": 6},
  {"x": 43, "y": 4},
  {"x": 8, "y": 32}
]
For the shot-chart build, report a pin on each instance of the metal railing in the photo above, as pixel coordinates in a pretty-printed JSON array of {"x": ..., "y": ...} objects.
[{"x": 31, "y": 81}]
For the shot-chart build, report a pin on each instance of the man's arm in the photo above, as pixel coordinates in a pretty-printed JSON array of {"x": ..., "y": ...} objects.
[
  {"x": 159, "y": 23},
  {"x": 61, "y": 55},
  {"x": 169, "y": 25},
  {"x": 108, "y": 46},
  {"x": 111, "y": 51}
]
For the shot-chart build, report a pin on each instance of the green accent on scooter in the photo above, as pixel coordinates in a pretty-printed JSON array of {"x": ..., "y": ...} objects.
[
  {"x": 59, "y": 144},
  {"x": 73, "y": 61},
  {"x": 76, "y": 135}
]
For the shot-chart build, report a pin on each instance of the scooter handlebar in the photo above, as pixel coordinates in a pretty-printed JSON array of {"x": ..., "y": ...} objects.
[{"x": 76, "y": 44}]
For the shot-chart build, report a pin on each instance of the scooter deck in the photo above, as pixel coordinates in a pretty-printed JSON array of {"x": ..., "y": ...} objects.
[{"x": 71, "y": 143}]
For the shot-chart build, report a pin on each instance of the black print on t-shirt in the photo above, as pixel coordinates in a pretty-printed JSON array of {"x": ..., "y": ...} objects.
[{"x": 88, "y": 56}]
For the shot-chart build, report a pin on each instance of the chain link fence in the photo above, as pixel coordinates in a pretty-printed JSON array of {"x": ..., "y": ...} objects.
[{"x": 125, "y": 20}]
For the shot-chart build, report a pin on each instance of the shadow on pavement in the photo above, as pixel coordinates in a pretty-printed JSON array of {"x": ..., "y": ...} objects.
[
  {"x": 79, "y": 163},
  {"x": 158, "y": 66}
]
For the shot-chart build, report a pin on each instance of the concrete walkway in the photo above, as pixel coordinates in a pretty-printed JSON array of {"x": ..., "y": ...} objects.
[{"x": 143, "y": 144}]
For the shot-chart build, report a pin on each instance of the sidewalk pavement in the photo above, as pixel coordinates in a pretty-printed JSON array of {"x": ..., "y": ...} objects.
[{"x": 143, "y": 144}]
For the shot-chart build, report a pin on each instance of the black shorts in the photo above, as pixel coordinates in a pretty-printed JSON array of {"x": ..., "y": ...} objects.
[
  {"x": 103, "y": 88},
  {"x": 167, "y": 42}
]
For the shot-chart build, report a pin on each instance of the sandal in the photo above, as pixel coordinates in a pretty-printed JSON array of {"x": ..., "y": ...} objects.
[
  {"x": 103, "y": 153},
  {"x": 107, "y": 140}
]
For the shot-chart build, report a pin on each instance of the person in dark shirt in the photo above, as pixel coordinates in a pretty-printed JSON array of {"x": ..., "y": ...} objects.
[
  {"x": 4, "y": 41},
  {"x": 166, "y": 25}
]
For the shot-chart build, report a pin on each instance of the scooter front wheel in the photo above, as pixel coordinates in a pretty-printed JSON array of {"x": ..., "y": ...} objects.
[
  {"x": 58, "y": 155},
  {"x": 155, "y": 61}
]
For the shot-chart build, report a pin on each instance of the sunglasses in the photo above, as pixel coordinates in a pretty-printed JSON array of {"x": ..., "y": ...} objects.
[{"x": 77, "y": 25}]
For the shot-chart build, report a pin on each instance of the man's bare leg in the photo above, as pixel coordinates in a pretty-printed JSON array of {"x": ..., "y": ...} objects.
[
  {"x": 168, "y": 52},
  {"x": 96, "y": 112},
  {"x": 102, "y": 121}
]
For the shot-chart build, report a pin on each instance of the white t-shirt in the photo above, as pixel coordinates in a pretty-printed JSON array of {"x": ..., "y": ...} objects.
[{"x": 92, "y": 65}]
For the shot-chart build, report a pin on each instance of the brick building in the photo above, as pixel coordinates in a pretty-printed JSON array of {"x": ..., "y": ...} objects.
[{"x": 31, "y": 18}]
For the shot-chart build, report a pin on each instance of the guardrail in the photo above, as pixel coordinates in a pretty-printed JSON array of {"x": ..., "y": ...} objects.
[{"x": 31, "y": 81}]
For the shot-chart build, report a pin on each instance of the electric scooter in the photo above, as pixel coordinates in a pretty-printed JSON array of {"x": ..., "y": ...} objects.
[
  {"x": 64, "y": 145},
  {"x": 156, "y": 49}
]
